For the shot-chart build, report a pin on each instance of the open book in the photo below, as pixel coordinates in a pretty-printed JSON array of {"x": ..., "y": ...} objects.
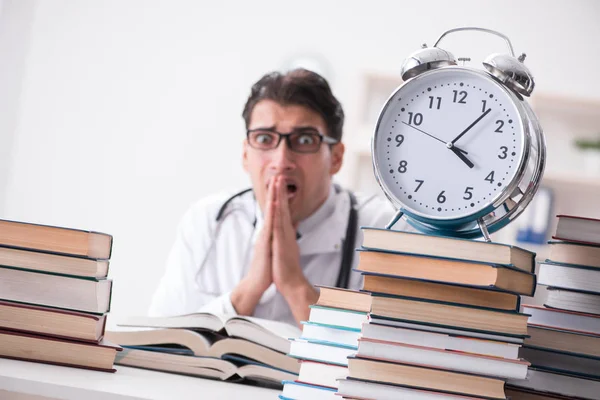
[{"x": 195, "y": 342}]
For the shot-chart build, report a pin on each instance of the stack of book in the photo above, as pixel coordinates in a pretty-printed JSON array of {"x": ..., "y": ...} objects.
[
  {"x": 54, "y": 295},
  {"x": 564, "y": 342},
  {"x": 230, "y": 348},
  {"x": 328, "y": 338},
  {"x": 437, "y": 318}
]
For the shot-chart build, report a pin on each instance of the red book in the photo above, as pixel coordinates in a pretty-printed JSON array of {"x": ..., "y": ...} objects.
[
  {"x": 52, "y": 321},
  {"x": 49, "y": 350},
  {"x": 576, "y": 229}
]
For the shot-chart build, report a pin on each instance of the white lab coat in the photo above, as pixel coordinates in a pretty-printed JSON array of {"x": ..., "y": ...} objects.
[{"x": 208, "y": 259}]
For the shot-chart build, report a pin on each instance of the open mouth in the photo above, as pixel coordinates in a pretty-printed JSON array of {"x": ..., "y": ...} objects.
[{"x": 291, "y": 188}]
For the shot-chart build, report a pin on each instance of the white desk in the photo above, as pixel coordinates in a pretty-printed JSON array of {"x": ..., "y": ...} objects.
[{"x": 55, "y": 382}]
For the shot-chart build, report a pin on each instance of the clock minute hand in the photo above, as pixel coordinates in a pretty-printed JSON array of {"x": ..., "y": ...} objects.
[
  {"x": 472, "y": 125},
  {"x": 414, "y": 127}
]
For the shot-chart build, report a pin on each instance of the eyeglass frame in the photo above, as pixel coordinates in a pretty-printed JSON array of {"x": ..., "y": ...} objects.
[{"x": 322, "y": 138}]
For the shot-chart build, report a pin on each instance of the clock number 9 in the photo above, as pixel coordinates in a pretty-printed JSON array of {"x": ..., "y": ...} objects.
[
  {"x": 441, "y": 198},
  {"x": 402, "y": 167},
  {"x": 399, "y": 140},
  {"x": 418, "y": 118}
]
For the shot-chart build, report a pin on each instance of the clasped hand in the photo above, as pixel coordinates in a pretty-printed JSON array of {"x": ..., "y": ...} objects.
[{"x": 276, "y": 254}]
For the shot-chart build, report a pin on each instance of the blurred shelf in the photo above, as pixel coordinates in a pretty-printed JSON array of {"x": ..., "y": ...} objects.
[{"x": 554, "y": 179}]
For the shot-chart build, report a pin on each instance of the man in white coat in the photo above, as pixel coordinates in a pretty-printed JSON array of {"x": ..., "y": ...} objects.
[{"x": 261, "y": 252}]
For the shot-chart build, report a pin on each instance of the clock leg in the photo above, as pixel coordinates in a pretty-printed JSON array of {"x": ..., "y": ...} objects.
[
  {"x": 398, "y": 215},
  {"x": 484, "y": 231}
]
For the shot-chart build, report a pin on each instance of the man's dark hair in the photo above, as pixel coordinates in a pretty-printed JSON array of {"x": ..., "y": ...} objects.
[{"x": 299, "y": 87}]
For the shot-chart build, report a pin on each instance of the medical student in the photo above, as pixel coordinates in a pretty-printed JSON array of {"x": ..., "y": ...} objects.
[{"x": 261, "y": 251}]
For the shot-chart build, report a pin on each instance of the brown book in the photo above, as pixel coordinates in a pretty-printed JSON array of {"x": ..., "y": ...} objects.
[
  {"x": 49, "y": 350},
  {"x": 53, "y": 263},
  {"x": 449, "y": 315},
  {"x": 441, "y": 292},
  {"x": 51, "y": 321},
  {"x": 61, "y": 291},
  {"x": 419, "y": 377},
  {"x": 55, "y": 239},
  {"x": 576, "y": 254},
  {"x": 448, "y": 247},
  {"x": 447, "y": 271},
  {"x": 563, "y": 340},
  {"x": 344, "y": 298}
]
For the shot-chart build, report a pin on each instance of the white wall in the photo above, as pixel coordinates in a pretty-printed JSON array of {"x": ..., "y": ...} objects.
[{"x": 128, "y": 111}]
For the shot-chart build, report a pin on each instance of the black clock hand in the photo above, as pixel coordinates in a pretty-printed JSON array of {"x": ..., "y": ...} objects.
[
  {"x": 472, "y": 125},
  {"x": 414, "y": 127},
  {"x": 461, "y": 154}
]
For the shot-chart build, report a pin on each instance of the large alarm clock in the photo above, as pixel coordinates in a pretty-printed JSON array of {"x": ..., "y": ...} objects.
[{"x": 457, "y": 150}]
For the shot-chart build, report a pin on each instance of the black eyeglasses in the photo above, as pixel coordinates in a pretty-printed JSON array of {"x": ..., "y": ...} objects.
[{"x": 300, "y": 141}]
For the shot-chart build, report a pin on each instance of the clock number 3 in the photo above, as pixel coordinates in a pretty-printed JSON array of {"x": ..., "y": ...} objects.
[{"x": 503, "y": 153}]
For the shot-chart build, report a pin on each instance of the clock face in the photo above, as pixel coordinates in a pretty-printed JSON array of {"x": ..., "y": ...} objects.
[{"x": 449, "y": 143}]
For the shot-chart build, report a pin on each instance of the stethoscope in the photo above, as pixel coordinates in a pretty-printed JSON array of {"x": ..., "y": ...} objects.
[{"x": 348, "y": 244}]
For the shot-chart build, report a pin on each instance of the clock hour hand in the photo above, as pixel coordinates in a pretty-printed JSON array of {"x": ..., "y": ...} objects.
[
  {"x": 472, "y": 125},
  {"x": 461, "y": 154},
  {"x": 422, "y": 131}
]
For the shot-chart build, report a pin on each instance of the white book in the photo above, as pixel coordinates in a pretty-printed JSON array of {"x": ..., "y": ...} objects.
[
  {"x": 271, "y": 334},
  {"x": 441, "y": 329},
  {"x": 337, "y": 317},
  {"x": 358, "y": 389},
  {"x": 444, "y": 359},
  {"x": 569, "y": 277},
  {"x": 441, "y": 341},
  {"x": 327, "y": 333},
  {"x": 298, "y": 390},
  {"x": 322, "y": 352},
  {"x": 561, "y": 319},
  {"x": 321, "y": 374},
  {"x": 573, "y": 301},
  {"x": 565, "y": 385}
]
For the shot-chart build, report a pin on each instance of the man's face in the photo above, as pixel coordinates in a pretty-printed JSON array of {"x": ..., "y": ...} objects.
[{"x": 308, "y": 175}]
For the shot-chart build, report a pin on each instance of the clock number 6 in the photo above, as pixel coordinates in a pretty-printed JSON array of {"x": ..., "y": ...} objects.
[
  {"x": 441, "y": 198},
  {"x": 402, "y": 167}
]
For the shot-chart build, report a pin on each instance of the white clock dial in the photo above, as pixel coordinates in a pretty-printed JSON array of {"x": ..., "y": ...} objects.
[{"x": 449, "y": 143}]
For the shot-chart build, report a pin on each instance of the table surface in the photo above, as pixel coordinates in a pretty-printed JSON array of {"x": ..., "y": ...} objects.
[{"x": 125, "y": 384}]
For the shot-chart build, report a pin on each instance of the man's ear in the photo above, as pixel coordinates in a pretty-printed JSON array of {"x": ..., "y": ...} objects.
[
  {"x": 245, "y": 155},
  {"x": 337, "y": 157}
]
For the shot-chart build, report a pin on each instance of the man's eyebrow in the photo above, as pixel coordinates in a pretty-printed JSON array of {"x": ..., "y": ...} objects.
[
  {"x": 305, "y": 128},
  {"x": 264, "y": 128}
]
